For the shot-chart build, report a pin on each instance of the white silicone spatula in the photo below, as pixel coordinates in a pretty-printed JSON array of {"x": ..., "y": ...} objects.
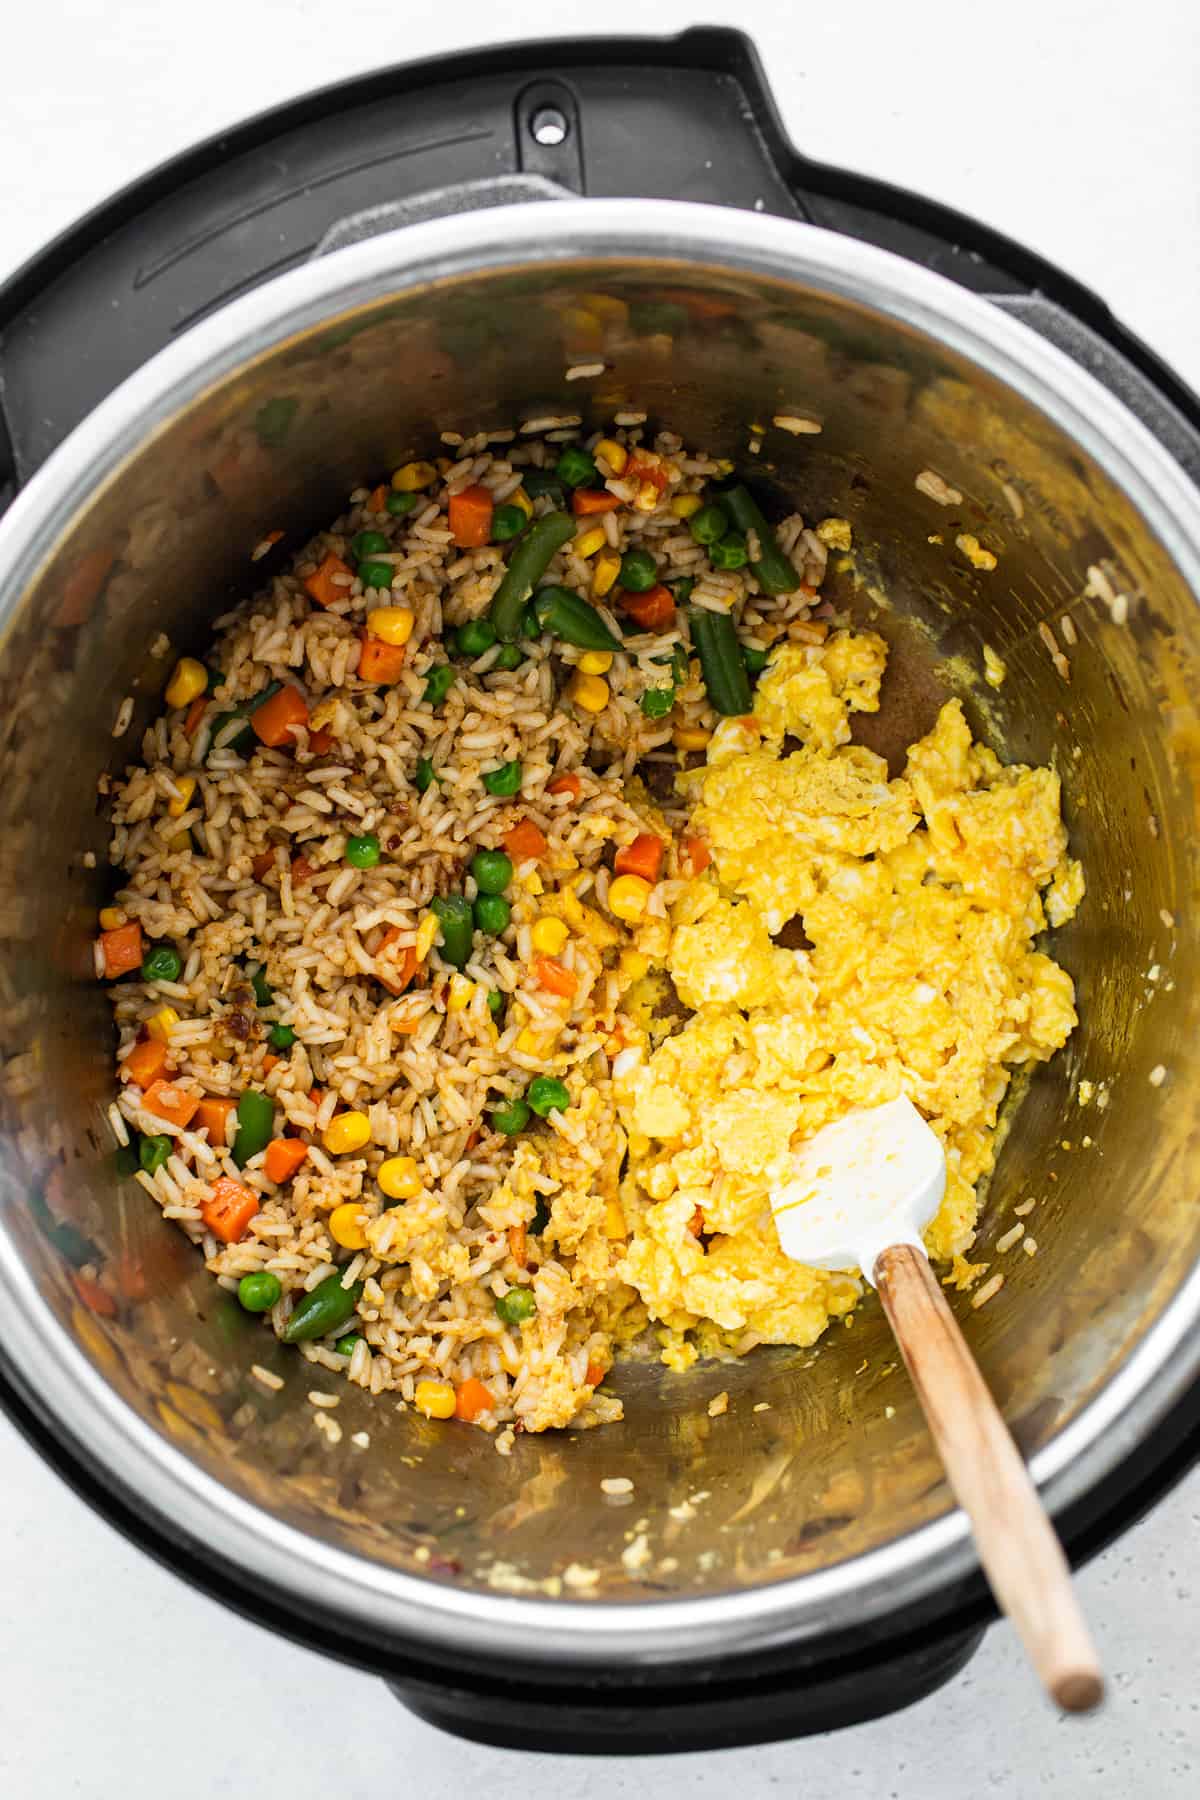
[{"x": 860, "y": 1194}]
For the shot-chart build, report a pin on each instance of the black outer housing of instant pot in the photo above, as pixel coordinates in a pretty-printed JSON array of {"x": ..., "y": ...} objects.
[{"x": 215, "y": 222}]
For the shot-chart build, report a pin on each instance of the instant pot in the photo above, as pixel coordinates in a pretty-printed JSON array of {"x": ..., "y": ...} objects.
[{"x": 221, "y": 353}]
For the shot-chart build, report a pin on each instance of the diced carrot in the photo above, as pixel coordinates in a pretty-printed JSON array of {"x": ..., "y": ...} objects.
[
  {"x": 518, "y": 1245},
  {"x": 302, "y": 871},
  {"x": 640, "y": 469},
  {"x": 376, "y": 501},
  {"x": 94, "y": 1297},
  {"x": 473, "y": 1136},
  {"x": 401, "y": 964},
  {"x": 643, "y": 857},
  {"x": 270, "y": 1062},
  {"x": 525, "y": 841},
  {"x": 146, "y": 1062},
  {"x": 194, "y": 714},
  {"x": 565, "y": 784},
  {"x": 470, "y": 1399},
  {"x": 83, "y": 586},
  {"x": 379, "y": 663},
  {"x": 284, "y": 1156},
  {"x": 212, "y": 1112},
  {"x": 404, "y": 1024},
  {"x": 262, "y": 865},
  {"x": 587, "y": 501},
  {"x": 595, "y": 1374},
  {"x": 278, "y": 719},
  {"x": 554, "y": 978},
  {"x": 121, "y": 949},
  {"x": 471, "y": 517},
  {"x": 696, "y": 854},
  {"x": 229, "y": 1209},
  {"x": 653, "y": 611},
  {"x": 171, "y": 1103},
  {"x": 320, "y": 742},
  {"x": 323, "y": 586}
]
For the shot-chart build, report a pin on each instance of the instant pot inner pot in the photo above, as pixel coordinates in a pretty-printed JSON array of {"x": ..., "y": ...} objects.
[{"x": 821, "y": 1454}]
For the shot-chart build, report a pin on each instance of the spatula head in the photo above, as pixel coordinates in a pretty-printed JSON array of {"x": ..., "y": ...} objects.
[{"x": 871, "y": 1179}]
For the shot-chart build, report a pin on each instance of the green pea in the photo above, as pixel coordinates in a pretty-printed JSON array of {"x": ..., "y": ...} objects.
[
  {"x": 346, "y": 1346},
  {"x": 281, "y": 1037},
  {"x": 438, "y": 684},
  {"x": 508, "y": 522},
  {"x": 255, "y": 1121},
  {"x": 492, "y": 914},
  {"x": 576, "y": 469},
  {"x": 510, "y": 658},
  {"x": 510, "y": 1118},
  {"x": 375, "y": 574},
  {"x": 492, "y": 871},
  {"x": 258, "y": 1293},
  {"x": 264, "y": 993},
  {"x": 731, "y": 553},
  {"x": 547, "y": 1094},
  {"x": 709, "y": 525},
  {"x": 362, "y": 852},
  {"x": 657, "y": 702},
  {"x": 162, "y": 964},
  {"x": 530, "y": 626},
  {"x": 516, "y": 1306},
  {"x": 495, "y": 1002},
  {"x": 755, "y": 660},
  {"x": 639, "y": 571},
  {"x": 153, "y": 1152},
  {"x": 400, "y": 504},
  {"x": 505, "y": 780},
  {"x": 476, "y": 636},
  {"x": 368, "y": 544},
  {"x": 424, "y": 775}
]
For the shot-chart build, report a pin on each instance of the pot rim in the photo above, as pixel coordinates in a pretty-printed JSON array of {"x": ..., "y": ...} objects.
[{"x": 388, "y": 1606}]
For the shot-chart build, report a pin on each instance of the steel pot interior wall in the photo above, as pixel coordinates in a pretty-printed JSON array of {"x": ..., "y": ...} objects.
[{"x": 821, "y": 1455}]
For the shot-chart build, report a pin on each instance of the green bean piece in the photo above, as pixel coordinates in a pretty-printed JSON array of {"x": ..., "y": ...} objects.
[
  {"x": 255, "y": 1119},
  {"x": 153, "y": 1152},
  {"x": 516, "y": 1306},
  {"x": 567, "y": 615},
  {"x": 505, "y": 780},
  {"x": 775, "y": 573},
  {"x": 639, "y": 571},
  {"x": 492, "y": 914},
  {"x": 508, "y": 522},
  {"x": 264, "y": 993},
  {"x": 327, "y": 1307},
  {"x": 438, "y": 684},
  {"x": 258, "y": 1293},
  {"x": 528, "y": 563},
  {"x": 495, "y": 1002},
  {"x": 162, "y": 963},
  {"x": 510, "y": 1118},
  {"x": 657, "y": 702},
  {"x": 423, "y": 779},
  {"x": 547, "y": 1094},
  {"x": 537, "y": 482},
  {"x": 755, "y": 660},
  {"x": 244, "y": 738},
  {"x": 454, "y": 915},
  {"x": 709, "y": 525},
  {"x": 725, "y": 679},
  {"x": 346, "y": 1346},
  {"x": 682, "y": 589},
  {"x": 491, "y": 870}
]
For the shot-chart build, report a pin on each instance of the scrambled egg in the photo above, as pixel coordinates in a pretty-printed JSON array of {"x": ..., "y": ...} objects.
[{"x": 921, "y": 899}]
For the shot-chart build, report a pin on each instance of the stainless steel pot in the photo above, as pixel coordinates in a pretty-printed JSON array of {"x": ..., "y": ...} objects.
[{"x": 826, "y": 1510}]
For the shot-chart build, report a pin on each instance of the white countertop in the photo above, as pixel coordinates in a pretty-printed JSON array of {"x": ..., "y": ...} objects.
[{"x": 1078, "y": 133}]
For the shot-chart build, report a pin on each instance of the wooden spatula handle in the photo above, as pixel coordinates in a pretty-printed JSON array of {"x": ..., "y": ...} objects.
[{"x": 1017, "y": 1546}]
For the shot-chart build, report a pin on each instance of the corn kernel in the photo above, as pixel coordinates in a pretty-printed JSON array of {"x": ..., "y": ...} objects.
[
  {"x": 521, "y": 498},
  {"x": 588, "y": 542},
  {"x": 589, "y": 692},
  {"x": 414, "y": 476},
  {"x": 187, "y": 787},
  {"x": 614, "y": 454},
  {"x": 614, "y": 1220},
  {"x": 534, "y": 1043},
  {"x": 628, "y": 896},
  {"x": 532, "y": 883},
  {"x": 390, "y": 624},
  {"x": 461, "y": 990},
  {"x": 633, "y": 964},
  {"x": 605, "y": 570},
  {"x": 724, "y": 466},
  {"x": 435, "y": 1399},
  {"x": 607, "y": 306},
  {"x": 347, "y": 1132},
  {"x": 345, "y": 1226},
  {"x": 585, "y": 330},
  {"x": 646, "y": 498},
  {"x": 597, "y": 929},
  {"x": 595, "y": 662},
  {"x": 685, "y": 505},
  {"x": 510, "y": 1358},
  {"x": 399, "y": 1179},
  {"x": 427, "y": 930},
  {"x": 111, "y": 918},
  {"x": 690, "y": 737},
  {"x": 549, "y": 936},
  {"x": 188, "y": 681},
  {"x": 160, "y": 1025}
]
